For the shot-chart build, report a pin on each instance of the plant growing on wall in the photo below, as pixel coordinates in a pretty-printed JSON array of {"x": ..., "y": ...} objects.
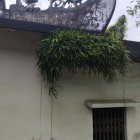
[{"x": 77, "y": 51}]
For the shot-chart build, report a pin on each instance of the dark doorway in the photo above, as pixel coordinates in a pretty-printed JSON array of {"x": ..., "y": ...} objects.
[{"x": 109, "y": 124}]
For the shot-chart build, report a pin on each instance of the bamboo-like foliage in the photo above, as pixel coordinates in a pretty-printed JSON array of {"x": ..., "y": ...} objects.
[
  {"x": 117, "y": 31},
  {"x": 77, "y": 51}
]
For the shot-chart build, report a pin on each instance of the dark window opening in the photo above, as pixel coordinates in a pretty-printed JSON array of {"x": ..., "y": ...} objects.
[{"x": 109, "y": 124}]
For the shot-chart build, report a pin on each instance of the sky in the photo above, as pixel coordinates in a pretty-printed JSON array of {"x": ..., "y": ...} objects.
[{"x": 133, "y": 33}]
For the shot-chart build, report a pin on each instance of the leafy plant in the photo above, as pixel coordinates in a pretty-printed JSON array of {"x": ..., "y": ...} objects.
[
  {"x": 117, "y": 31},
  {"x": 77, "y": 51},
  {"x": 135, "y": 11}
]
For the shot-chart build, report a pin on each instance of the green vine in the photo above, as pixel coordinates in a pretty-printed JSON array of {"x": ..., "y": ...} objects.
[{"x": 77, "y": 51}]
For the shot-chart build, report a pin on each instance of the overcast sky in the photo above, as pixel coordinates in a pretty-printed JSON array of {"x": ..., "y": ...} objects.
[{"x": 133, "y": 32}]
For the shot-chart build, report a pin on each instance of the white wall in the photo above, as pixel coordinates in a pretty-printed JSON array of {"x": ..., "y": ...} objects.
[
  {"x": 25, "y": 107},
  {"x": 20, "y": 87}
]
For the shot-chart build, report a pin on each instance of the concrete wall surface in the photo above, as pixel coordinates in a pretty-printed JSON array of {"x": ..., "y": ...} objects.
[{"x": 27, "y": 112}]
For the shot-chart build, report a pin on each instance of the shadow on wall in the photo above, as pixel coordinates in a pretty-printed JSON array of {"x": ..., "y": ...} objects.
[
  {"x": 35, "y": 138},
  {"x": 136, "y": 136}
]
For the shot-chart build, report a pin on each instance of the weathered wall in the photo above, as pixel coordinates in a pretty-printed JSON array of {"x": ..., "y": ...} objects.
[
  {"x": 26, "y": 108},
  {"x": 132, "y": 91},
  {"x": 93, "y": 15},
  {"x": 20, "y": 89}
]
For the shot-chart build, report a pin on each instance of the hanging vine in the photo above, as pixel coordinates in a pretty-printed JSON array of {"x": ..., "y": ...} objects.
[{"x": 77, "y": 51}]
